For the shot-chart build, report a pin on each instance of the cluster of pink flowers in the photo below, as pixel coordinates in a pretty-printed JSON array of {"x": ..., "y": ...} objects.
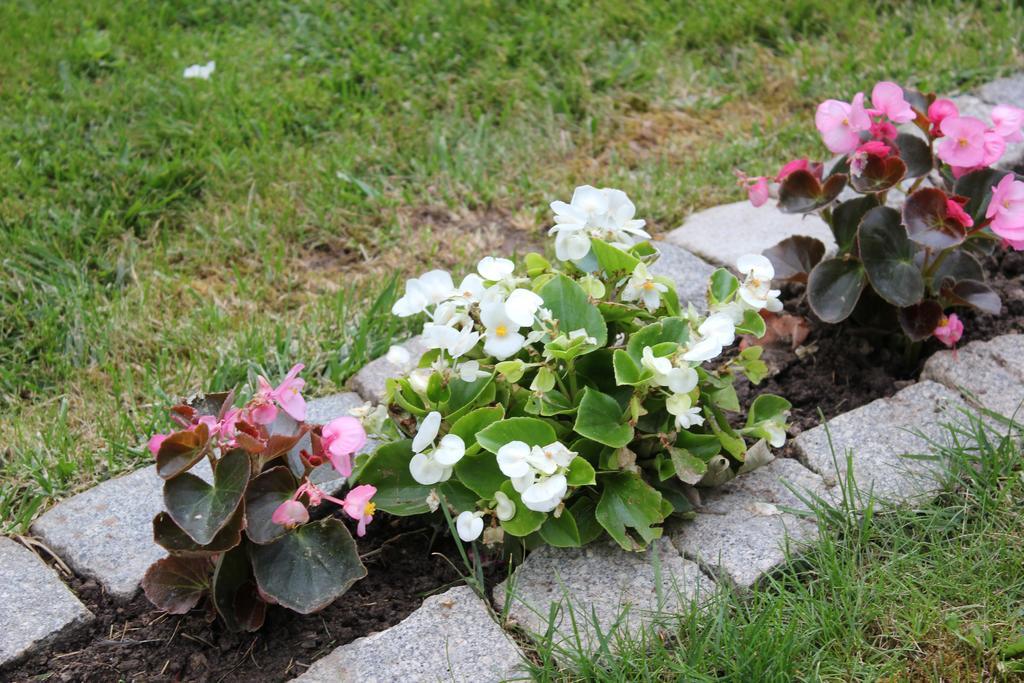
[
  {"x": 758, "y": 189},
  {"x": 357, "y": 505},
  {"x": 950, "y": 330},
  {"x": 1006, "y": 211}
]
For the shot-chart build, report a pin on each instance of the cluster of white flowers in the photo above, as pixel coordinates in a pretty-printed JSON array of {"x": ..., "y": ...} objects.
[
  {"x": 537, "y": 473},
  {"x": 604, "y": 213},
  {"x": 504, "y": 309},
  {"x": 432, "y": 463}
]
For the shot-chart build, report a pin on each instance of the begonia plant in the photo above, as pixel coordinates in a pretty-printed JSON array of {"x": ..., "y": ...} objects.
[
  {"x": 913, "y": 202},
  {"x": 561, "y": 402},
  {"x": 240, "y": 532}
]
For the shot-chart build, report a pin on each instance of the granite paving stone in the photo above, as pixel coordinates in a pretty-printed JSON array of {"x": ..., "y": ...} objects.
[
  {"x": 1009, "y": 90},
  {"x": 689, "y": 272},
  {"x": 37, "y": 607},
  {"x": 745, "y": 526},
  {"x": 451, "y": 637},
  {"x": 369, "y": 382},
  {"x": 604, "y": 582},
  {"x": 106, "y": 532},
  {"x": 989, "y": 374},
  {"x": 880, "y": 435},
  {"x": 722, "y": 234}
]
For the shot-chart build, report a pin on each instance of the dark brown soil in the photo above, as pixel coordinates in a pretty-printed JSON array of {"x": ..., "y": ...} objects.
[
  {"x": 847, "y": 370},
  {"x": 407, "y": 560}
]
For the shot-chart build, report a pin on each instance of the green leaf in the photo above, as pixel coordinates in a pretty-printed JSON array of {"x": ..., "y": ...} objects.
[
  {"x": 794, "y": 257},
  {"x": 955, "y": 266},
  {"x": 666, "y": 330},
  {"x": 535, "y": 264},
  {"x": 600, "y": 419},
  {"x": 397, "y": 492},
  {"x": 571, "y": 307},
  {"x": 176, "y": 584},
  {"x": 888, "y": 257},
  {"x": 235, "y": 595},
  {"x": 584, "y": 513},
  {"x": 704, "y": 446},
  {"x": 466, "y": 395},
  {"x": 928, "y": 221},
  {"x": 723, "y": 285},
  {"x": 920, "y": 320},
  {"x": 525, "y": 521},
  {"x": 688, "y": 467},
  {"x": 879, "y": 174},
  {"x": 561, "y": 531},
  {"x": 480, "y": 472},
  {"x": 581, "y": 472},
  {"x": 181, "y": 450},
  {"x": 458, "y": 496},
  {"x": 627, "y": 371},
  {"x": 835, "y": 287},
  {"x": 627, "y": 502},
  {"x": 555, "y": 402},
  {"x": 725, "y": 398},
  {"x": 612, "y": 260},
  {"x": 201, "y": 509},
  {"x": 915, "y": 154},
  {"x": 530, "y": 430},
  {"x": 752, "y": 323},
  {"x": 310, "y": 567},
  {"x": 174, "y": 540},
  {"x": 767, "y": 407},
  {"x": 467, "y": 426},
  {"x": 264, "y": 495}
]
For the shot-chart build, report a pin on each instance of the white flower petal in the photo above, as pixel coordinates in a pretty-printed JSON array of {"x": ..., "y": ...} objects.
[
  {"x": 755, "y": 265},
  {"x": 545, "y": 494},
  {"x": 521, "y": 306},
  {"x": 505, "y": 508},
  {"x": 491, "y": 268},
  {"x": 398, "y": 355},
  {"x": 427, "y": 431},
  {"x": 469, "y": 525},
  {"x": 425, "y": 471},
  {"x": 512, "y": 459},
  {"x": 450, "y": 450}
]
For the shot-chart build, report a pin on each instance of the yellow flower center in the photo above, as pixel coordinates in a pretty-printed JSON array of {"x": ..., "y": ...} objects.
[
  {"x": 369, "y": 509},
  {"x": 501, "y": 330},
  {"x": 648, "y": 285},
  {"x": 962, "y": 142}
]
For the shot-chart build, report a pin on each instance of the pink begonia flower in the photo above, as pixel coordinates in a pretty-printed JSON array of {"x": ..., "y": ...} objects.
[
  {"x": 357, "y": 505},
  {"x": 286, "y": 395},
  {"x": 155, "y": 441},
  {"x": 883, "y": 130},
  {"x": 758, "y": 191},
  {"x": 964, "y": 141},
  {"x": 941, "y": 109},
  {"x": 859, "y": 159},
  {"x": 1006, "y": 209},
  {"x": 290, "y": 513},
  {"x": 1007, "y": 122},
  {"x": 840, "y": 124},
  {"x": 950, "y": 330},
  {"x": 887, "y": 98},
  {"x": 341, "y": 438},
  {"x": 956, "y": 211},
  {"x": 792, "y": 166}
]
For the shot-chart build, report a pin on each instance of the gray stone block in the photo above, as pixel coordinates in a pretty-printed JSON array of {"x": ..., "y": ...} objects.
[
  {"x": 689, "y": 272},
  {"x": 744, "y": 528},
  {"x": 722, "y": 234},
  {"x": 881, "y": 434},
  {"x": 452, "y": 637},
  {"x": 989, "y": 374},
  {"x": 600, "y": 582},
  {"x": 369, "y": 381},
  {"x": 324, "y": 409},
  {"x": 37, "y": 607},
  {"x": 1008, "y": 90}
]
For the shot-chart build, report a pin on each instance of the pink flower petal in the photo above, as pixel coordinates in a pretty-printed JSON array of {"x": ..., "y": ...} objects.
[{"x": 290, "y": 513}]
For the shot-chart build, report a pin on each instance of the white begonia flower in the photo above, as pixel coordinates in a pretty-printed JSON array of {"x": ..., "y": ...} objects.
[
  {"x": 428, "y": 289},
  {"x": 469, "y": 525},
  {"x": 642, "y": 287},
  {"x": 495, "y": 269},
  {"x": 201, "y": 71},
  {"x": 398, "y": 355},
  {"x": 678, "y": 380},
  {"x": 546, "y": 493},
  {"x": 687, "y": 415},
  {"x": 513, "y": 459},
  {"x": 472, "y": 287},
  {"x": 503, "y": 338},
  {"x": 456, "y": 342},
  {"x": 372, "y": 417},
  {"x": 431, "y": 467},
  {"x": 582, "y": 332},
  {"x": 505, "y": 508},
  {"x": 470, "y": 371},
  {"x": 521, "y": 305},
  {"x": 524, "y": 482},
  {"x": 603, "y": 213},
  {"x": 419, "y": 380},
  {"x": 776, "y": 431},
  {"x": 556, "y": 453},
  {"x": 715, "y": 333},
  {"x": 755, "y": 290},
  {"x": 452, "y": 313}
]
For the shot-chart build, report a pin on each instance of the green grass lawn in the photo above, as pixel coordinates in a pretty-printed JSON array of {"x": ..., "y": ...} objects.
[
  {"x": 928, "y": 593},
  {"x": 159, "y": 235}
]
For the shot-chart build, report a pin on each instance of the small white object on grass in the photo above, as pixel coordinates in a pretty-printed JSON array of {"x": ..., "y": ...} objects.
[{"x": 202, "y": 71}]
